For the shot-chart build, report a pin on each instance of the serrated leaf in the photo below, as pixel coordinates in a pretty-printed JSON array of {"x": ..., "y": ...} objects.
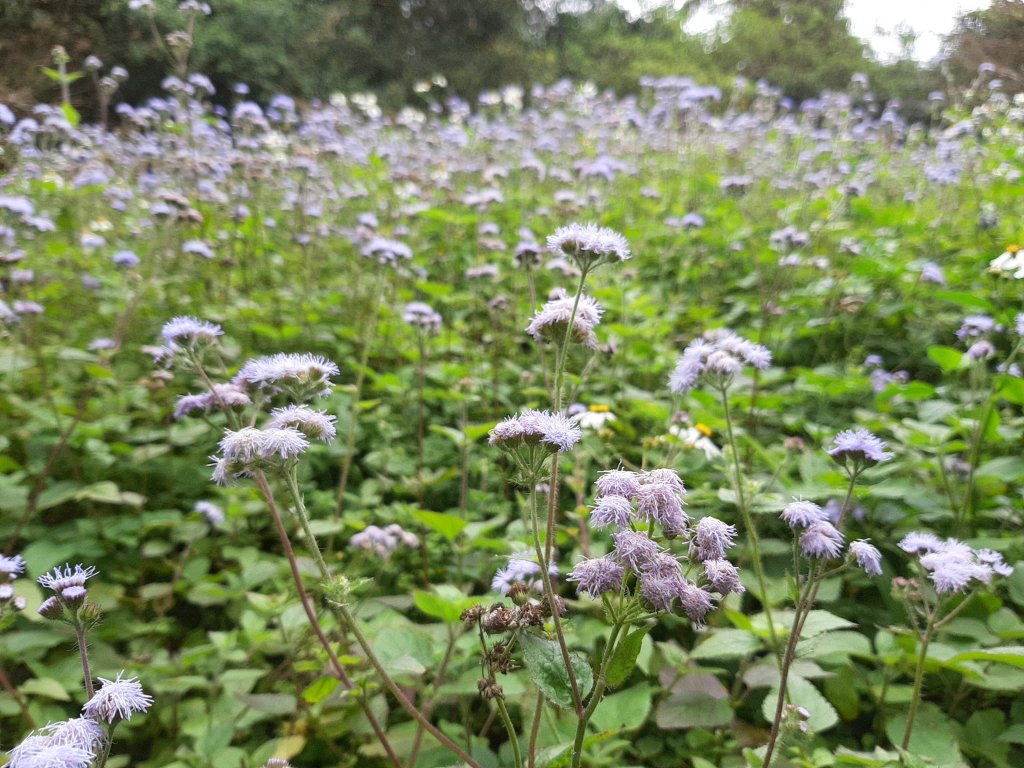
[
  {"x": 727, "y": 644},
  {"x": 803, "y": 694},
  {"x": 544, "y": 662},
  {"x": 699, "y": 700},
  {"x": 624, "y": 657}
]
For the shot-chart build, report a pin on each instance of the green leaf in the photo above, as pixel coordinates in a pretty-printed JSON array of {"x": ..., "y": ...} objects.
[
  {"x": 45, "y": 686},
  {"x": 935, "y": 735},
  {"x": 448, "y": 526},
  {"x": 727, "y": 644},
  {"x": 628, "y": 709},
  {"x": 320, "y": 689},
  {"x": 947, "y": 358},
  {"x": 1007, "y": 654},
  {"x": 803, "y": 694},
  {"x": 445, "y": 602},
  {"x": 624, "y": 657},
  {"x": 698, "y": 700},
  {"x": 547, "y": 670},
  {"x": 70, "y": 113},
  {"x": 271, "y": 703}
]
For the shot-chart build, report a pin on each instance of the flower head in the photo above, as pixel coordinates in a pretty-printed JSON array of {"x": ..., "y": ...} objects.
[
  {"x": 868, "y": 557},
  {"x": 11, "y": 566},
  {"x": 184, "y": 332},
  {"x": 618, "y": 482},
  {"x": 38, "y": 751},
  {"x": 859, "y": 447},
  {"x": 522, "y": 571},
  {"x": 303, "y": 376},
  {"x": 315, "y": 425},
  {"x": 597, "y": 576},
  {"x": 723, "y": 577},
  {"x": 552, "y": 319},
  {"x": 422, "y": 316},
  {"x": 588, "y": 245},
  {"x": 530, "y": 427},
  {"x": 719, "y": 354},
  {"x": 118, "y": 698},
  {"x": 59, "y": 580},
  {"x": 612, "y": 510},
  {"x": 711, "y": 539},
  {"x": 821, "y": 540},
  {"x": 634, "y": 549},
  {"x": 801, "y": 514}
]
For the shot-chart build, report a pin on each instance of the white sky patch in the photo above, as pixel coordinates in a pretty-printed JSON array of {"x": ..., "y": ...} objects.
[{"x": 878, "y": 22}]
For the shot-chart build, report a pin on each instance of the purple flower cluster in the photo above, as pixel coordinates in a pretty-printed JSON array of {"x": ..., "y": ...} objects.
[
  {"x": 301, "y": 376},
  {"x": 552, "y": 431},
  {"x": 520, "y": 570},
  {"x": 383, "y": 541},
  {"x": 10, "y": 569},
  {"x": 250, "y": 449},
  {"x": 720, "y": 355},
  {"x": 626, "y": 501},
  {"x": 422, "y": 317},
  {"x": 68, "y": 587},
  {"x": 552, "y": 320},
  {"x": 952, "y": 565},
  {"x": 821, "y": 540}
]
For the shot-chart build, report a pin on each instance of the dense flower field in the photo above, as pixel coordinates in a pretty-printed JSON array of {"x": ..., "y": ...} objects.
[{"x": 343, "y": 439}]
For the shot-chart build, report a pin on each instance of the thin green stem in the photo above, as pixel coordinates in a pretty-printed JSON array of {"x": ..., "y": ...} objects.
[
  {"x": 517, "y": 756},
  {"x": 83, "y": 650},
  {"x": 538, "y": 710},
  {"x": 752, "y": 540},
  {"x": 549, "y": 594},
  {"x": 107, "y": 744},
  {"x": 348, "y": 621},
  {"x": 596, "y": 696},
  {"x": 915, "y": 698}
]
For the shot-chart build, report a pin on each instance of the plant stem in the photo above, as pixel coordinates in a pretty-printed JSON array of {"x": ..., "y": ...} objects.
[
  {"x": 338, "y": 670},
  {"x": 517, "y": 757},
  {"x": 348, "y": 621},
  {"x": 595, "y": 698},
  {"x": 538, "y": 710},
  {"x": 563, "y": 350},
  {"x": 83, "y": 651},
  {"x": 915, "y": 699},
  {"x": 752, "y": 540},
  {"x": 549, "y": 594}
]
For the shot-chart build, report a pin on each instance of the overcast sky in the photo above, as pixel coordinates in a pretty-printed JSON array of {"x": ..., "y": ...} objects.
[{"x": 877, "y": 21}]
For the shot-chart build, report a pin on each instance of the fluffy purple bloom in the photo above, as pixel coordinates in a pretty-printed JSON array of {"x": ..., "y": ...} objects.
[
  {"x": 860, "y": 447},
  {"x": 125, "y": 259},
  {"x": 422, "y": 316},
  {"x": 589, "y": 245},
  {"x": 37, "y": 751},
  {"x": 974, "y": 326},
  {"x": 821, "y": 540},
  {"x": 315, "y": 425},
  {"x": 552, "y": 319},
  {"x": 119, "y": 698},
  {"x": 720, "y": 353},
  {"x": 711, "y": 538},
  {"x": 661, "y": 503},
  {"x": 697, "y": 603},
  {"x": 723, "y": 577},
  {"x": 60, "y": 579},
  {"x": 302, "y": 375},
  {"x": 951, "y": 573},
  {"x": 223, "y": 396},
  {"x": 618, "y": 482},
  {"x": 533, "y": 427},
  {"x": 187, "y": 332},
  {"x": 981, "y": 350},
  {"x": 663, "y": 475},
  {"x": 661, "y": 591},
  {"x": 597, "y": 576},
  {"x": 11, "y": 566},
  {"x": 520, "y": 571},
  {"x": 611, "y": 510},
  {"x": 932, "y": 273},
  {"x": 919, "y": 543},
  {"x": 801, "y": 514},
  {"x": 385, "y": 251},
  {"x": 634, "y": 549},
  {"x": 994, "y": 560},
  {"x": 868, "y": 557},
  {"x": 78, "y": 732}
]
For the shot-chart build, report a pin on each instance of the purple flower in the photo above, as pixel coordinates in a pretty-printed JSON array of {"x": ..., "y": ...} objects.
[
  {"x": 918, "y": 543},
  {"x": 821, "y": 540},
  {"x": 589, "y": 245},
  {"x": 618, "y": 482},
  {"x": 711, "y": 539},
  {"x": 661, "y": 591},
  {"x": 932, "y": 273},
  {"x": 801, "y": 514},
  {"x": 422, "y": 316},
  {"x": 552, "y": 319},
  {"x": 532, "y": 427},
  {"x": 974, "y": 326},
  {"x": 58, "y": 580},
  {"x": 385, "y": 251},
  {"x": 634, "y": 549},
  {"x": 723, "y": 577},
  {"x": 661, "y": 503},
  {"x": 860, "y": 447},
  {"x": 720, "y": 353},
  {"x": 315, "y": 425},
  {"x": 520, "y": 571},
  {"x": 11, "y": 566},
  {"x": 118, "y": 698},
  {"x": 37, "y": 751},
  {"x": 868, "y": 557},
  {"x": 188, "y": 332},
  {"x": 612, "y": 510},
  {"x": 697, "y": 603},
  {"x": 223, "y": 396},
  {"x": 597, "y": 576},
  {"x": 301, "y": 375}
]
